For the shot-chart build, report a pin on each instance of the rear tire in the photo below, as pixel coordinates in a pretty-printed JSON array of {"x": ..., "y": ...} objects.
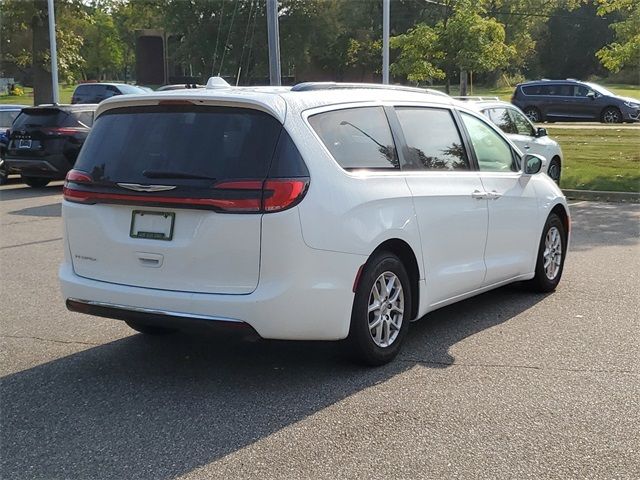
[
  {"x": 148, "y": 329},
  {"x": 534, "y": 114},
  {"x": 36, "y": 182},
  {"x": 551, "y": 254},
  {"x": 381, "y": 310}
]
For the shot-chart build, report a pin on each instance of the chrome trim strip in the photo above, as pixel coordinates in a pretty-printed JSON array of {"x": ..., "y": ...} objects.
[
  {"x": 154, "y": 311},
  {"x": 146, "y": 188}
]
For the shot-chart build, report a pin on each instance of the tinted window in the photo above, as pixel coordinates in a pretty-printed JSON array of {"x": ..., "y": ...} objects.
[
  {"x": 580, "y": 91},
  {"x": 215, "y": 142},
  {"x": 357, "y": 137},
  {"x": 433, "y": 139},
  {"x": 82, "y": 90},
  {"x": 502, "y": 119},
  {"x": 84, "y": 119},
  {"x": 492, "y": 152},
  {"x": 45, "y": 117},
  {"x": 532, "y": 90},
  {"x": 523, "y": 125}
]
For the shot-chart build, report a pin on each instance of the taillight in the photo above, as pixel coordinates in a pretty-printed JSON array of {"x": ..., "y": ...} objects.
[
  {"x": 61, "y": 131},
  {"x": 77, "y": 177},
  {"x": 236, "y": 196},
  {"x": 280, "y": 194}
]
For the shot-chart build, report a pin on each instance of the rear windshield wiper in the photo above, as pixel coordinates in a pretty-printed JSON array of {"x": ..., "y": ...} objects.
[{"x": 170, "y": 174}]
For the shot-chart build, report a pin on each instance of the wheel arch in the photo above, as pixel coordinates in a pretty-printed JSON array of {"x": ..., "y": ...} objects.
[
  {"x": 562, "y": 212},
  {"x": 407, "y": 256}
]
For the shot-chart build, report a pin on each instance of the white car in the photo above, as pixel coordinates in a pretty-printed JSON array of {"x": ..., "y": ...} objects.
[
  {"x": 313, "y": 212},
  {"x": 519, "y": 129}
]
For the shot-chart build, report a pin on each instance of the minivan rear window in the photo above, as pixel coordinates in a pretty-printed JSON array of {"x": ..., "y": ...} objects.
[{"x": 180, "y": 144}]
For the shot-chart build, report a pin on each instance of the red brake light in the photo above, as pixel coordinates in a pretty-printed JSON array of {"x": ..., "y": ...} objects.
[
  {"x": 280, "y": 194},
  {"x": 61, "y": 130},
  {"x": 78, "y": 176}
]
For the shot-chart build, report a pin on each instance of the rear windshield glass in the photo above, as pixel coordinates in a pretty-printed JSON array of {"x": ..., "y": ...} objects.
[
  {"x": 179, "y": 143},
  {"x": 37, "y": 117}
]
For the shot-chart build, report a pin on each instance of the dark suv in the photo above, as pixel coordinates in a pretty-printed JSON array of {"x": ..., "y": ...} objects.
[
  {"x": 573, "y": 100},
  {"x": 44, "y": 141},
  {"x": 96, "y": 92}
]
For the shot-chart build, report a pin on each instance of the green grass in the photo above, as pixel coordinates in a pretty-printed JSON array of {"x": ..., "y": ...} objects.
[
  {"x": 606, "y": 159},
  {"x": 65, "y": 92}
]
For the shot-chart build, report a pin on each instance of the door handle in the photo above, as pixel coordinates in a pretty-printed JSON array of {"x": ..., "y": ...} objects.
[
  {"x": 527, "y": 147},
  {"x": 493, "y": 195},
  {"x": 478, "y": 195}
]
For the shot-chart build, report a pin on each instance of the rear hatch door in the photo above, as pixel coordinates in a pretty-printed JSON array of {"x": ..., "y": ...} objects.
[
  {"x": 42, "y": 131},
  {"x": 168, "y": 197}
]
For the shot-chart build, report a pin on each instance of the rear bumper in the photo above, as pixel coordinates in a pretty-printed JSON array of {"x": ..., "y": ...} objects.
[
  {"x": 303, "y": 293},
  {"x": 156, "y": 318},
  {"x": 54, "y": 166}
]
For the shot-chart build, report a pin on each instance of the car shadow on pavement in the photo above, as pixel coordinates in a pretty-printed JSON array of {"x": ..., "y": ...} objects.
[
  {"x": 50, "y": 210},
  {"x": 159, "y": 407},
  {"x": 18, "y": 191}
]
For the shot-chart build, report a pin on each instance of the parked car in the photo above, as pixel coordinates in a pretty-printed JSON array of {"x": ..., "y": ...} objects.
[
  {"x": 8, "y": 114},
  {"x": 517, "y": 126},
  {"x": 96, "y": 92},
  {"x": 573, "y": 100},
  {"x": 45, "y": 141},
  {"x": 314, "y": 212}
]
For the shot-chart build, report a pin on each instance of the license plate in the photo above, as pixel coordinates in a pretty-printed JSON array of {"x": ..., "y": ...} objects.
[
  {"x": 24, "y": 144},
  {"x": 152, "y": 225}
]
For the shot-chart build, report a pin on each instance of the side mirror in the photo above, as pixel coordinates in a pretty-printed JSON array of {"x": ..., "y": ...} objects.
[
  {"x": 541, "y": 132},
  {"x": 591, "y": 95},
  {"x": 533, "y": 163}
]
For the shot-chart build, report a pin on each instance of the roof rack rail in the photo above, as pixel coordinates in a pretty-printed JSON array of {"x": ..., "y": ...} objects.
[
  {"x": 475, "y": 98},
  {"x": 573, "y": 79},
  {"x": 313, "y": 86}
]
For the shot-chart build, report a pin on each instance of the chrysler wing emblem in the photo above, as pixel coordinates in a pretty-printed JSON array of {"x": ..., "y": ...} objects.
[{"x": 146, "y": 188}]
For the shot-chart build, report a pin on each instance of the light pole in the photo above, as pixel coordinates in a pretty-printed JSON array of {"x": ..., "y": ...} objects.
[
  {"x": 273, "y": 34},
  {"x": 385, "y": 40},
  {"x": 53, "y": 49}
]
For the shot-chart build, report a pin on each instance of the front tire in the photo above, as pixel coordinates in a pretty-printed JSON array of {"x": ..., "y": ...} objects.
[
  {"x": 554, "y": 170},
  {"x": 381, "y": 310},
  {"x": 36, "y": 182},
  {"x": 611, "y": 115},
  {"x": 148, "y": 329},
  {"x": 551, "y": 254}
]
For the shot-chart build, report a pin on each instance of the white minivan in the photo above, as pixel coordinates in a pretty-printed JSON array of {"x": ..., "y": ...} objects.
[{"x": 321, "y": 211}]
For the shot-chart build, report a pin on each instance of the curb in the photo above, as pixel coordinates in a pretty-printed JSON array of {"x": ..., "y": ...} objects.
[{"x": 592, "y": 195}]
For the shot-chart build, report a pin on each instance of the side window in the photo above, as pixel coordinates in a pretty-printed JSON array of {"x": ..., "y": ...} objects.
[
  {"x": 565, "y": 90},
  {"x": 85, "y": 119},
  {"x": 501, "y": 117},
  {"x": 523, "y": 125},
  {"x": 532, "y": 90},
  {"x": 111, "y": 91},
  {"x": 492, "y": 152},
  {"x": 580, "y": 91},
  {"x": 357, "y": 137},
  {"x": 432, "y": 138}
]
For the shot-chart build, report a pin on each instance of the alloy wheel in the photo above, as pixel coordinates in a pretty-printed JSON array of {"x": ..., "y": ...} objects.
[
  {"x": 611, "y": 116},
  {"x": 386, "y": 309},
  {"x": 552, "y": 253}
]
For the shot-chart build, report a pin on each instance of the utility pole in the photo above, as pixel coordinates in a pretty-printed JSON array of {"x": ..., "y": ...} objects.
[
  {"x": 385, "y": 40},
  {"x": 54, "y": 52},
  {"x": 273, "y": 34}
]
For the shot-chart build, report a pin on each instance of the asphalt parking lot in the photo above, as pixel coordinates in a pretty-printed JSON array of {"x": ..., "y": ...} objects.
[{"x": 509, "y": 384}]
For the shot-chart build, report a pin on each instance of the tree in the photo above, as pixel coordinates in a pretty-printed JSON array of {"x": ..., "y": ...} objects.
[
  {"x": 625, "y": 52},
  {"x": 464, "y": 40}
]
